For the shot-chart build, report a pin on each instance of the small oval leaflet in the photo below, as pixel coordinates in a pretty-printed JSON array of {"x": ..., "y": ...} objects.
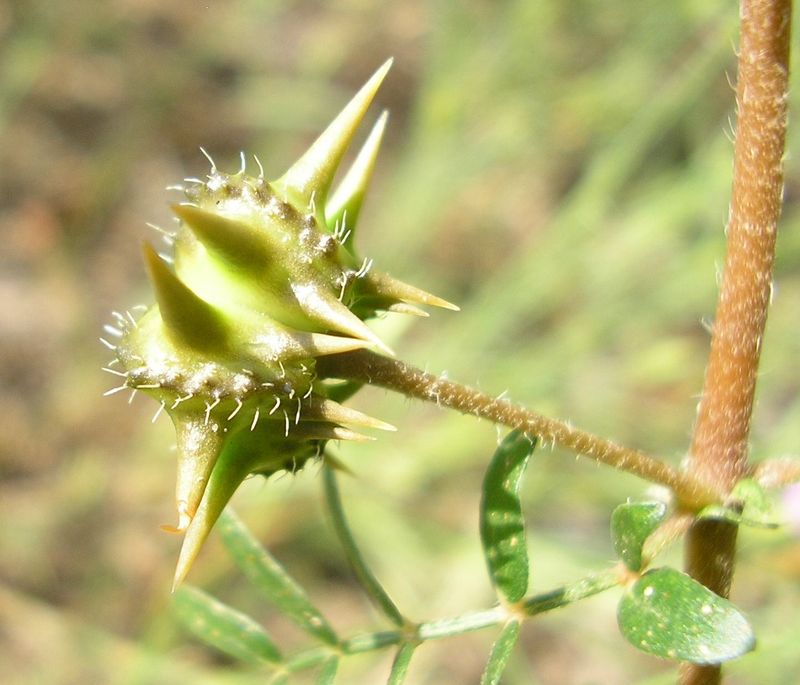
[
  {"x": 669, "y": 614},
  {"x": 501, "y": 651},
  {"x": 631, "y": 524},
  {"x": 501, "y": 522},
  {"x": 402, "y": 659}
]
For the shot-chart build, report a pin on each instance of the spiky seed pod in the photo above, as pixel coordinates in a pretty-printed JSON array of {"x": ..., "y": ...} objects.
[{"x": 265, "y": 280}]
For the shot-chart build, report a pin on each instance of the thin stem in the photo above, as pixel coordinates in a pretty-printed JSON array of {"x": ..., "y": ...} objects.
[
  {"x": 467, "y": 623},
  {"x": 375, "y": 591},
  {"x": 585, "y": 587},
  {"x": 718, "y": 453},
  {"x": 458, "y": 625},
  {"x": 368, "y": 367}
]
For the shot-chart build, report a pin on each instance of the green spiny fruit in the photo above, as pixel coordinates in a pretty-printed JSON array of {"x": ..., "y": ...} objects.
[{"x": 265, "y": 280}]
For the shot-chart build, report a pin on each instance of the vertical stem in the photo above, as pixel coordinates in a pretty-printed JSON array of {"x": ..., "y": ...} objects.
[{"x": 719, "y": 444}]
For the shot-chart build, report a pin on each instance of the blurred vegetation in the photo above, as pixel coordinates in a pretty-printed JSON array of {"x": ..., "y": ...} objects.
[{"x": 561, "y": 170}]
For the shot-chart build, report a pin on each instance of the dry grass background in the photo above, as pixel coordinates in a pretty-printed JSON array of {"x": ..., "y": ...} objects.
[{"x": 560, "y": 170}]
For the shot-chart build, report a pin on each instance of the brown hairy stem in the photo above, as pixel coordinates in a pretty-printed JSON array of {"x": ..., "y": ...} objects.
[
  {"x": 367, "y": 367},
  {"x": 718, "y": 452},
  {"x": 777, "y": 473}
]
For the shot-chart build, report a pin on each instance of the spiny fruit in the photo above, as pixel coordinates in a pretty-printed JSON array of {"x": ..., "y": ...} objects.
[{"x": 264, "y": 279}]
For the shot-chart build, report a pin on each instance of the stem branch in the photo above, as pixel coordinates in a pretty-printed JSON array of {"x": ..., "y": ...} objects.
[
  {"x": 457, "y": 625},
  {"x": 718, "y": 452},
  {"x": 367, "y": 367}
]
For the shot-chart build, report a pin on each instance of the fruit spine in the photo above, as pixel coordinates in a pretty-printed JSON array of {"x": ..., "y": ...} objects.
[{"x": 265, "y": 280}]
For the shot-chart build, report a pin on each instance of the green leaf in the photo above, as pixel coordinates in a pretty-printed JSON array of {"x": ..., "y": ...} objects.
[
  {"x": 501, "y": 651},
  {"x": 749, "y": 505},
  {"x": 328, "y": 672},
  {"x": 757, "y": 505},
  {"x": 223, "y": 627},
  {"x": 365, "y": 577},
  {"x": 501, "y": 522},
  {"x": 671, "y": 615},
  {"x": 631, "y": 524},
  {"x": 401, "y": 662},
  {"x": 268, "y": 575}
]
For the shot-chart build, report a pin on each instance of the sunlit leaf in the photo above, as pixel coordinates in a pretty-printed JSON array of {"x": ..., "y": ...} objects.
[
  {"x": 501, "y": 651},
  {"x": 501, "y": 522},
  {"x": 223, "y": 627},
  {"x": 631, "y": 523},
  {"x": 671, "y": 615},
  {"x": 268, "y": 575}
]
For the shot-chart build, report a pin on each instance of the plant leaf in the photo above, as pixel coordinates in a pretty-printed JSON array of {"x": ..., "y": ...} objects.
[
  {"x": 328, "y": 672},
  {"x": 501, "y": 523},
  {"x": 501, "y": 651},
  {"x": 223, "y": 627},
  {"x": 631, "y": 524},
  {"x": 264, "y": 571},
  {"x": 751, "y": 506},
  {"x": 671, "y": 615},
  {"x": 400, "y": 664}
]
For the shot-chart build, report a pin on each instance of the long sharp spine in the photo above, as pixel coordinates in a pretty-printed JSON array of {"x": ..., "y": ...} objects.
[
  {"x": 310, "y": 178},
  {"x": 319, "y": 408},
  {"x": 199, "y": 446},
  {"x": 345, "y": 204},
  {"x": 187, "y": 316},
  {"x": 235, "y": 241},
  {"x": 385, "y": 285},
  {"x": 328, "y": 312}
]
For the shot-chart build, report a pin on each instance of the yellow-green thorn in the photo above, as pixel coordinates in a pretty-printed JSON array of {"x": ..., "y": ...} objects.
[
  {"x": 235, "y": 241},
  {"x": 186, "y": 316},
  {"x": 307, "y": 182},
  {"x": 405, "y": 308},
  {"x": 289, "y": 344},
  {"x": 321, "y": 409},
  {"x": 328, "y": 431},
  {"x": 345, "y": 204},
  {"x": 226, "y": 477},
  {"x": 385, "y": 285},
  {"x": 199, "y": 442},
  {"x": 329, "y": 313}
]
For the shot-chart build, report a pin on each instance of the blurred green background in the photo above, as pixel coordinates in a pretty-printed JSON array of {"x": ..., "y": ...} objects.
[{"x": 560, "y": 170}]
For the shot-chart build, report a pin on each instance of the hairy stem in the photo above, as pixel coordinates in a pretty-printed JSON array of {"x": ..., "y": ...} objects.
[
  {"x": 777, "y": 473},
  {"x": 718, "y": 453},
  {"x": 367, "y": 367}
]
